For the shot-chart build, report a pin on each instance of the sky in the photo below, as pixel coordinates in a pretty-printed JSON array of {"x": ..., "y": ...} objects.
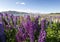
[{"x": 35, "y": 6}]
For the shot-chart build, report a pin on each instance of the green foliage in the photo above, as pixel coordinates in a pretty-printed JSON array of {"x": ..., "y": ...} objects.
[
  {"x": 53, "y": 34},
  {"x": 10, "y": 35}
]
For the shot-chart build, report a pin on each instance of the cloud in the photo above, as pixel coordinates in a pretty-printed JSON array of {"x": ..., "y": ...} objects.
[{"x": 20, "y": 3}]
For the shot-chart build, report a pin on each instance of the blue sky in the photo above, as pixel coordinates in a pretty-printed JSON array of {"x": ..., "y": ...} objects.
[{"x": 36, "y": 6}]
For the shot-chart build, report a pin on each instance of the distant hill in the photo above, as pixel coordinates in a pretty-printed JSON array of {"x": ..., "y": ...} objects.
[
  {"x": 54, "y": 13},
  {"x": 14, "y": 12},
  {"x": 26, "y": 13},
  {"x": 19, "y": 13}
]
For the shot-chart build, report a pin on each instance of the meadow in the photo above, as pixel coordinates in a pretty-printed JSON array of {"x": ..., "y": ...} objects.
[{"x": 29, "y": 28}]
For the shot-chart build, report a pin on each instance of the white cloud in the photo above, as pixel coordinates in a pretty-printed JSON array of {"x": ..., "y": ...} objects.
[{"x": 20, "y": 3}]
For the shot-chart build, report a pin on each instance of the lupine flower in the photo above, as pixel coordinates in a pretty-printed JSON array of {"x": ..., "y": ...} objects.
[
  {"x": 1, "y": 28},
  {"x": 31, "y": 29},
  {"x": 36, "y": 26},
  {"x": 24, "y": 23},
  {"x": 5, "y": 19},
  {"x": 14, "y": 21},
  {"x": 20, "y": 36},
  {"x": 42, "y": 35},
  {"x": 2, "y": 34},
  {"x": 9, "y": 18},
  {"x": 31, "y": 33},
  {"x": 2, "y": 37}
]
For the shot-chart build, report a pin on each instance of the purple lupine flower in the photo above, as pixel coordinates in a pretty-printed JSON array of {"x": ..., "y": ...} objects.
[
  {"x": 6, "y": 15},
  {"x": 14, "y": 21},
  {"x": 43, "y": 24},
  {"x": 12, "y": 17},
  {"x": 31, "y": 29},
  {"x": 1, "y": 24},
  {"x": 1, "y": 14},
  {"x": 1, "y": 28},
  {"x": 42, "y": 35},
  {"x": 2, "y": 34},
  {"x": 36, "y": 27},
  {"x": 24, "y": 23},
  {"x": 2, "y": 37},
  {"x": 5, "y": 18},
  {"x": 18, "y": 20},
  {"x": 20, "y": 36},
  {"x": 31, "y": 33},
  {"x": 9, "y": 17}
]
